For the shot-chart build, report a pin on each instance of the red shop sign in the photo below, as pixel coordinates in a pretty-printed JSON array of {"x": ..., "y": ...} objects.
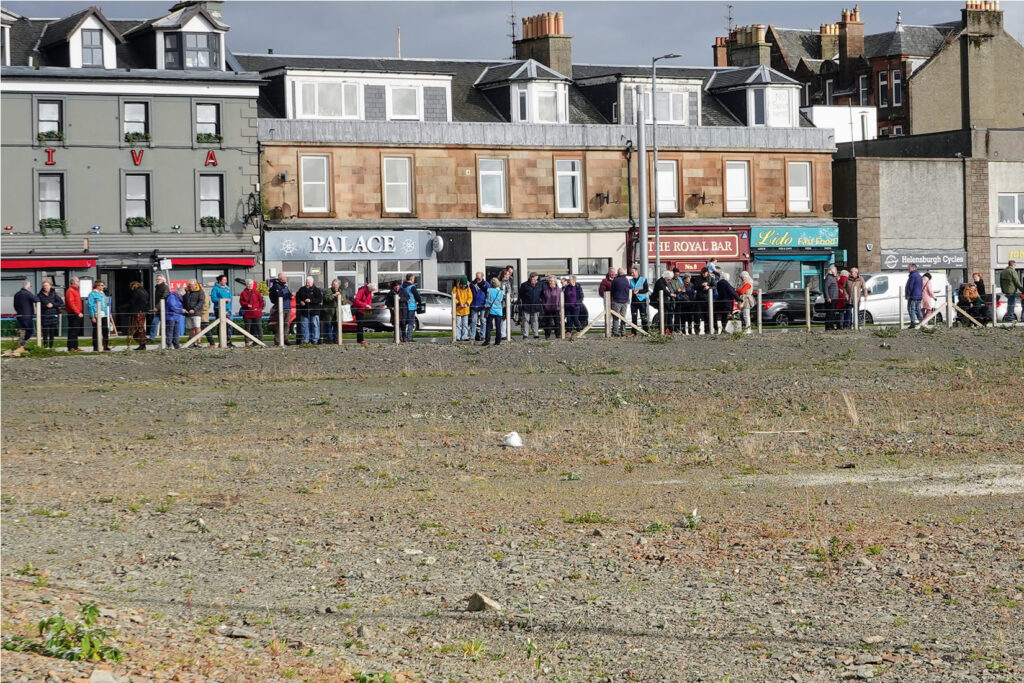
[{"x": 697, "y": 246}]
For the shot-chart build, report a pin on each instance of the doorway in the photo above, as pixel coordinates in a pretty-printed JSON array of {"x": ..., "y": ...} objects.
[{"x": 119, "y": 288}]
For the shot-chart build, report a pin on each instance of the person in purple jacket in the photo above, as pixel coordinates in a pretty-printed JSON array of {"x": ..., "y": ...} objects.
[
  {"x": 914, "y": 292},
  {"x": 573, "y": 300},
  {"x": 620, "y": 289},
  {"x": 550, "y": 297}
]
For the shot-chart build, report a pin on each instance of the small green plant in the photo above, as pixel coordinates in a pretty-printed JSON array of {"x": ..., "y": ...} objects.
[
  {"x": 588, "y": 517},
  {"x": 51, "y": 224},
  {"x": 209, "y": 138},
  {"x": 199, "y": 524},
  {"x": 27, "y": 570},
  {"x": 873, "y": 550},
  {"x": 73, "y": 640},
  {"x": 50, "y": 136},
  {"x": 656, "y": 527},
  {"x": 691, "y": 521},
  {"x": 571, "y": 476},
  {"x": 374, "y": 677},
  {"x": 135, "y": 138},
  {"x": 214, "y": 223},
  {"x": 887, "y": 332},
  {"x": 137, "y": 222}
]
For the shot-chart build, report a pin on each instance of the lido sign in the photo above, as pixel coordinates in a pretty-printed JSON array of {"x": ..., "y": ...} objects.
[
  {"x": 343, "y": 245},
  {"x": 794, "y": 238}
]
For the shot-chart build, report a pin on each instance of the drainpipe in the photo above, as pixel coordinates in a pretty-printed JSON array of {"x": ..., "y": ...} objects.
[{"x": 629, "y": 182}]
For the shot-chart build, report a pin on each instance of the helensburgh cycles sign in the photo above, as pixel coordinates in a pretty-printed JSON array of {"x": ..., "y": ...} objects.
[
  {"x": 825, "y": 237},
  {"x": 899, "y": 259},
  {"x": 348, "y": 245}
]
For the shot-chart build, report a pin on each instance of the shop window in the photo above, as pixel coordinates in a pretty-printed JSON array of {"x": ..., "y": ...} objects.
[
  {"x": 494, "y": 268},
  {"x": 897, "y": 88},
  {"x": 389, "y": 271},
  {"x": 92, "y": 47},
  {"x": 569, "y": 185},
  {"x": 136, "y": 200},
  {"x": 448, "y": 274},
  {"x": 548, "y": 266},
  {"x": 51, "y": 196},
  {"x": 593, "y": 266},
  {"x": 737, "y": 185},
  {"x": 136, "y": 119},
  {"x": 668, "y": 187},
  {"x": 327, "y": 100},
  {"x": 799, "y": 186},
  {"x": 405, "y": 103},
  {"x": 397, "y": 185},
  {"x": 883, "y": 88},
  {"x": 313, "y": 189},
  {"x": 50, "y": 119},
  {"x": 1011, "y": 208},
  {"x": 492, "y": 186}
]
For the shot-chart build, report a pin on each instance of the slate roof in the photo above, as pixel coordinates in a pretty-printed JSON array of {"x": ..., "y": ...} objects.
[
  {"x": 528, "y": 70},
  {"x": 916, "y": 41},
  {"x": 797, "y": 44},
  {"x": 747, "y": 75}
]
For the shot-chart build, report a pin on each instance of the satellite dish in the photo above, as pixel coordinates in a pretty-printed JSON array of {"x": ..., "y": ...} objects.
[{"x": 438, "y": 244}]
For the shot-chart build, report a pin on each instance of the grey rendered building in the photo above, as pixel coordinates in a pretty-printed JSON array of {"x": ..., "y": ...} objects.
[{"x": 129, "y": 148}]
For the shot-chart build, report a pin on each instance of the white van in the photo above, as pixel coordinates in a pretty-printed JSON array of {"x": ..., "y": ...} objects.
[{"x": 886, "y": 297}]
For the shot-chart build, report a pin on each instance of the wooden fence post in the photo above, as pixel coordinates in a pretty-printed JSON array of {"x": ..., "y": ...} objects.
[
  {"x": 661, "y": 311},
  {"x": 949, "y": 306},
  {"x": 397, "y": 320},
  {"x": 607, "y": 314},
  {"x": 711, "y": 311},
  {"x": 807, "y": 307},
  {"x": 163, "y": 324},
  {"x": 39, "y": 323},
  {"x": 561, "y": 313},
  {"x": 222, "y": 328},
  {"x": 760, "y": 310},
  {"x": 508, "y": 317},
  {"x": 282, "y": 336},
  {"x": 454, "y": 317},
  {"x": 337, "y": 314},
  {"x": 995, "y": 301}
]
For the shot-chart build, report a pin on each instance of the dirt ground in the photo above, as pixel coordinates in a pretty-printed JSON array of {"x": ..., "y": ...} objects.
[{"x": 320, "y": 513}]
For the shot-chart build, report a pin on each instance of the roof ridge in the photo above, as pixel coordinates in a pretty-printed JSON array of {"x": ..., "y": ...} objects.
[{"x": 392, "y": 59}]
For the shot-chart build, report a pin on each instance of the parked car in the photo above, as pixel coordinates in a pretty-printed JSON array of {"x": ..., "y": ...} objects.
[
  {"x": 789, "y": 307},
  {"x": 885, "y": 292},
  {"x": 438, "y": 315}
]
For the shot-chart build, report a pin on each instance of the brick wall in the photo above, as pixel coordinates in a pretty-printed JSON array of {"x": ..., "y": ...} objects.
[
  {"x": 446, "y": 181},
  {"x": 976, "y": 215}
]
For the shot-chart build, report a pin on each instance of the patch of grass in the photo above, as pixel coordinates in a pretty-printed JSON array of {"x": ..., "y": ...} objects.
[
  {"x": 656, "y": 527},
  {"x": 588, "y": 517},
  {"x": 71, "y": 639},
  {"x": 874, "y": 550}
]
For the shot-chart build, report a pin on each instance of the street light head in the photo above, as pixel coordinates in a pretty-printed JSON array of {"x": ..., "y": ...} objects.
[{"x": 670, "y": 55}]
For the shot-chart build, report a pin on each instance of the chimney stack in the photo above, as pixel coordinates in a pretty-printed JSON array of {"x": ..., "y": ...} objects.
[
  {"x": 851, "y": 41},
  {"x": 214, "y": 7},
  {"x": 748, "y": 46},
  {"x": 544, "y": 39},
  {"x": 983, "y": 17},
  {"x": 721, "y": 51},
  {"x": 829, "y": 37}
]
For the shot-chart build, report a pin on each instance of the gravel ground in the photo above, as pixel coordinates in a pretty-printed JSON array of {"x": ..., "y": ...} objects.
[{"x": 311, "y": 513}]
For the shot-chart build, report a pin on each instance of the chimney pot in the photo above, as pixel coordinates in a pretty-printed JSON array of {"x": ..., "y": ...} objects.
[{"x": 560, "y": 23}]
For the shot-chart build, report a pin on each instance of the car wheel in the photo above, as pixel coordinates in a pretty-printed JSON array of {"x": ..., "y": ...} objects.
[
  {"x": 781, "y": 319},
  {"x": 938, "y": 319},
  {"x": 417, "y": 324},
  {"x": 866, "y": 319}
]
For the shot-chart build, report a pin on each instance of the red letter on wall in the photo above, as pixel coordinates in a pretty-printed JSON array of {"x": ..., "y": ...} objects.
[
  {"x": 137, "y": 156},
  {"x": 49, "y": 157},
  {"x": 211, "y": 158}
]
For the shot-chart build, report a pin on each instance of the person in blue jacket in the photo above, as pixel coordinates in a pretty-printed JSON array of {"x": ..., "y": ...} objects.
[
  {"x": 25, "y": 311},
  {"x": 495, "y": 305},
  {"x": 914, "y": 292},
  {"x": 409, "y": 301},
  {"x": 98, "y": 307},
  {"x": 174, "y": 304},
  {"x": 221, "y": 292}
]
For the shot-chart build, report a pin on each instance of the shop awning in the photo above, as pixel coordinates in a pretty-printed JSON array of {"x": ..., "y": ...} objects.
[
  {"x": 793, "y": 256},
  {"x": 29, "y": 264},
  {"x": 213, "y": 260}
]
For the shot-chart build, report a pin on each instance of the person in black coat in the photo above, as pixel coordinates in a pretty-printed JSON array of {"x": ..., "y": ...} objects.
[
  {"x": 25, "y": 311},
  {"x": 50, "y": 304},
  {"x": 530, "y": 306},
  {"x": 137, "y": 308},
  {"x": 308, "y": 301},
  {"x": 723, "y": 304}
]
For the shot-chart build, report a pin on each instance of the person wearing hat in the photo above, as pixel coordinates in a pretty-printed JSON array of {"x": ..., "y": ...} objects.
[
  {"x": 462, "y": 296},
  {"x": 530, "y": 304}
]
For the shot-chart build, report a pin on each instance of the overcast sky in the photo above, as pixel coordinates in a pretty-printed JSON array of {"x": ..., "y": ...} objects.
[{"x": 603, "y": 32}]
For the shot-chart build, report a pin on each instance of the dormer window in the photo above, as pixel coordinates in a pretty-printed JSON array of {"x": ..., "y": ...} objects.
[
  {"x": 404, "y": 103},
  {"x": 191, "y": 51},
  {"x": 5, "y": 45},
  {"x": 540, "y": 102},
  {"x": 673, "y": 105},
  {"x": 92, "y": 47},
  {"x": 776, "y": 107}
]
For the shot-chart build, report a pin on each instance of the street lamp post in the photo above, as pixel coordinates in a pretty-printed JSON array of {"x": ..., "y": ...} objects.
[{"x": 654, "y": 148}]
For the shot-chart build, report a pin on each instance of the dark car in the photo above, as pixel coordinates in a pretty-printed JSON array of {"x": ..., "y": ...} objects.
[{"x": 789, "y": 306}]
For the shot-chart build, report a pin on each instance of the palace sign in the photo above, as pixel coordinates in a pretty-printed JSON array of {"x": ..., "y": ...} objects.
[{"x": 346, "y": 245}]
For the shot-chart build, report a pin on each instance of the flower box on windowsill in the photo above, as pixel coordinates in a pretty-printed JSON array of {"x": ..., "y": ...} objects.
[
  {"x": 209, "y": 138},
  {"x": 136, "y": 138},
  {"x": 138, "y": 222},
  {"x": 50, "y": 224},
  {"x": 50, "y": 136},
  {"x": 216, "y": 225}
]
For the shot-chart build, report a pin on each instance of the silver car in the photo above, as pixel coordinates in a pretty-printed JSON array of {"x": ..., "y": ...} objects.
[{"x": 438, "y": 314}]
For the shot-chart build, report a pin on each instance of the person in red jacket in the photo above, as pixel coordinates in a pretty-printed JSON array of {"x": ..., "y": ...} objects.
[
  {"x": 362, "y": 306},
  {"x": 251, "y": 304},
  {"x": 76, "y": 316}
]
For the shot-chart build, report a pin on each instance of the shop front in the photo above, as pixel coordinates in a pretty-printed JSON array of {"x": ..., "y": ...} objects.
[
  {"x": 353, "y": 257},
  {"x": 585, "y": 252},
  {"x": 792, "y": 257},
  {"x": 1004, "y": 251},
  {"x": 690, "y": 248}
]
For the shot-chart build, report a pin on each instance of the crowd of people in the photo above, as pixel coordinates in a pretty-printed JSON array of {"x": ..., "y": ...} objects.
[{"x": 315, "y": 315}]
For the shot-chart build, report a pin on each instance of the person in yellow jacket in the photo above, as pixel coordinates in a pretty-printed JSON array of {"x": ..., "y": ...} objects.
[{"x": 462, "y": 297}]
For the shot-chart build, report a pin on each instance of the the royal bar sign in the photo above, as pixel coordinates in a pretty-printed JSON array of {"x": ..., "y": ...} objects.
[
  {"x": 700, "y": 246},
  {"x": 785, "y": 238},
  {"x": 348, "y": 245}
]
